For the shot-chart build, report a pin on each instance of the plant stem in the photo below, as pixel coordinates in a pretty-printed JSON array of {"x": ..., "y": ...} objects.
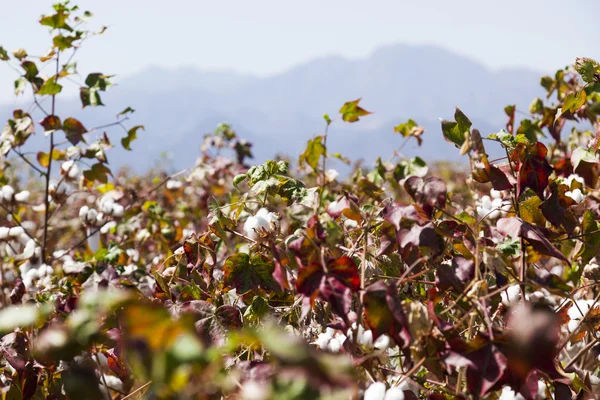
[{"x": 49, "y": 170}]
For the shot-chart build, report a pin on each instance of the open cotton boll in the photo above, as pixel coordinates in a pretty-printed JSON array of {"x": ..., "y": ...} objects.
[
  {"x": 106, "y": 204},
  {"x": 16, "y": 232},
  {"x": 496, "y": 194},
  {"x": 394, "y": 393},
  {"x": 69, "y": 169},
  {"x": 335, "y": 344},
  {"x": 22, "y": 197},
  {"x": 577, "y": 312},
  {"x": 254, "y": 224},
  {"x": 509, "y": 394},
  {"x": 366, "y": 338},
  {"x": 107, "y": 227},
  {"x": 511, "y": 295},
  {"x": 331, "y": 175},
  {"x": 117, "y": 210},
  {"x": 382, "y": 343},
  {"x": 252, "y": 390},
  {"x": 270, "y": 217},
  {"x": 376, "y": 391},
  {"x": 7, "y": 193},
  {"x": 4, "y": 232},
  {"x": 173, "y": 184},
  {"x": 322, "y": 340},
  {"x": 576, "y": 195}
]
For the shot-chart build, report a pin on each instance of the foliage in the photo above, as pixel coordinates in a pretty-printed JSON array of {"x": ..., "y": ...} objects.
[{"x": 234, "y": 281}]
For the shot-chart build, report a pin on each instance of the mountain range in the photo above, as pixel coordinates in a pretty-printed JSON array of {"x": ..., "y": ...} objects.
[{"x": 280, "y": 113}]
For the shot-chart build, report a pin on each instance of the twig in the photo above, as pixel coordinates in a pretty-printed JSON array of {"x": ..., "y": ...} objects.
[{"x": 145, "y": 385}]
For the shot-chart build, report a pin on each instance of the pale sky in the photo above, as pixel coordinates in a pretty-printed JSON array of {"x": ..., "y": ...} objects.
[{"x": 265, "y": 37}]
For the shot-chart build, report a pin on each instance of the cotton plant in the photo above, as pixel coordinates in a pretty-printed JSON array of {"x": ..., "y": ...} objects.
[
  {"x": 493, "y": 206},
  {"x": 379, "y": 391},
  {"x": 8, "y": 195},
  {"x": 330, "y": 340},
  {"x": 507, "y": 393},
  {"x": 365, "y": 338},
  {"x": 577, "y": 312},
  {"x": 261, "y": 224}
]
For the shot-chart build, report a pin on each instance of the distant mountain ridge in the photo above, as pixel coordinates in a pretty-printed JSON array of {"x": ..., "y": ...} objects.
[{"x": 280, "y": 113}]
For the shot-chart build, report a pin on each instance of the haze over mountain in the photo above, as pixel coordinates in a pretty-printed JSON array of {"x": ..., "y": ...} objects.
[{"x": 280, "y": 113}]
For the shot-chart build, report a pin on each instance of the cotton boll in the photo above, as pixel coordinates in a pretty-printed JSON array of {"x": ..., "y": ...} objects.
[
  {"x": 173, "y": 184},
  {"x": 254, "y": 225},
  {"x": 106, "y": 204},
  {"x": 134, "y": 254},
  {"x": 496, "y": 194},
  {"x": 107, "y": 227},
  {"x": 511, "y": 295},
  {"x": 366, "y": 338},
  {"x": 382, "y": 343},
  {"x": 252, "y": 390},
  {"x": 83, "y": 213},
  {"x": 322, "y": 340},
  {"x": 334, "y": 345},
  {"x": 331, "y": 175},
  {"x": 91, "y": 216},
  {"x": 4, "y": 232},
  {"x": 509, "y": 394},
  {"x": 16, "y": 231},
  {"x": 117, "y": 210},
  {"x": 394, "y": 393},
  {"x": 22, "y": 197},
  {"x": 576, "y": 195},
  {"x": 376, "y": 391},
  {"x": 7, "y": 193}
]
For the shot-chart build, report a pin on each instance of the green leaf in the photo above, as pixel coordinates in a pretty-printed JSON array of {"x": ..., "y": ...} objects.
[
  {"x": 99, "y": 172},
  {"x": 588, "y": 69},
  {"x": 4, "y": 55},
  {"x": 410, "y": 128},
  {"x": 591, "y": 234},
  {"x": 64, "y": 42},
  {"x": 126, "y": 111},
  {"x": 56, "y": 21},
  {"x": 413, "y": 167},
  {"x": 131, "y": 135},
  {"x": 246, "y": 273},
  {"x": 292, "y": 191},
  {"x": 536, "y": 106},
  {"x": 50, "y": 87},
  {"x": 573, "y": 102},
  {"x": 20, "y": 85},
  {"x": 89, "y": 97},
  {"x": 530, "y": 130},
  {"x": 44, "y": 158},
  {"x": 531, "y": 212},
  {"x": 98, "y": 81},
  {"x": 74, "y": 130},
  {"x": 351, "y": 111},
  {"x": 456, "y": 131},
  {"x": 239, "y": 179},
  {"x": 31, "y": 70},
  {"x": 313, "y": 152},
  {"x": 327, "y": 119}
]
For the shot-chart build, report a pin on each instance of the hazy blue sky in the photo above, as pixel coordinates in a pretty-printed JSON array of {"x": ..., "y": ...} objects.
[{"x": 268, "y": 36}]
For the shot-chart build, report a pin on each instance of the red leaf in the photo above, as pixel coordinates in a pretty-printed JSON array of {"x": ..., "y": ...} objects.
[
  {"x": 429, "y": 192},
  {"x": 516, "y": 227},
  {"x": 345, "y": 270}
]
